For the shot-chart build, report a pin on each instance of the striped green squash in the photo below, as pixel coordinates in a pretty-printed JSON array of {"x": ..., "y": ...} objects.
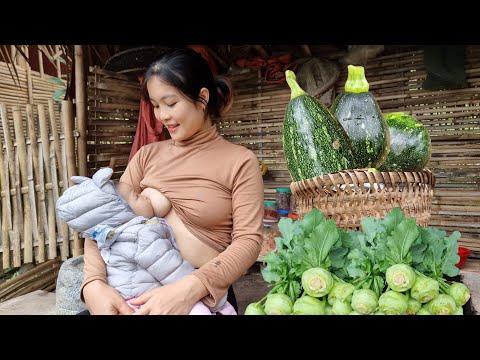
[
  {"x": 410, "y": 145},
  {"x": 314, "y": 142},
  {"x": 361, "y": 117}
]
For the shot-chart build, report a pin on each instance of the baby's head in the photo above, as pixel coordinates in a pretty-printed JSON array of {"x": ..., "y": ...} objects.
[{"x": 139, "y": 203}]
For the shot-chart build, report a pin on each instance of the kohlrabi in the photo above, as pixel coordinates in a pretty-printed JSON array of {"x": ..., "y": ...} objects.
[
  {"x": 393, "y": 303},
  {"x": 255, "y": 309},
  {"x": 459, "y": 292},
  {"x": 424, "y": 289},
  {"x": 317, "y": 282},
  {"x": 413, "y": 306},
  {"x": 341, "y": 291},
  {"x": 278, "y": 304},
  {"x": 442, "y": 305},
  {"x": 400, "y": 277},
  {"x": 308, "y": 305},
  {"x": 364, "y": 301}
]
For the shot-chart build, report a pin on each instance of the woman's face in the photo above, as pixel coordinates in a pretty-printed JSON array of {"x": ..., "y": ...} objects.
[{"x": 182, "y": 117}]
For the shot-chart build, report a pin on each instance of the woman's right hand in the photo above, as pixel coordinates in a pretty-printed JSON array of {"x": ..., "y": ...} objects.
[{"x": 102, "y": 299}]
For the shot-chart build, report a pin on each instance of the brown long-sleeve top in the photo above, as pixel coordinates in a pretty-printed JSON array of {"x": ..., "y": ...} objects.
[{"x": 216, "y": 189}]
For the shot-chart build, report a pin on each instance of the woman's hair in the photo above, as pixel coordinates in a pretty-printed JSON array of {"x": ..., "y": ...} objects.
[{"x": 189, "y": 72}]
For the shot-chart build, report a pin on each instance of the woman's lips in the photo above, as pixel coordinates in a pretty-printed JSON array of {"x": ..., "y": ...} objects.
[{"x": 171, "y": 128}]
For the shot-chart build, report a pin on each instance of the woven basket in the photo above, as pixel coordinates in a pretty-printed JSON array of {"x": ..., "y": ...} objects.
[{"x": 349, "y": 195}]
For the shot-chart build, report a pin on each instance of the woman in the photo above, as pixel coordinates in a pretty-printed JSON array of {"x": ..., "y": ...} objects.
[{"x": 215, "y": 188}]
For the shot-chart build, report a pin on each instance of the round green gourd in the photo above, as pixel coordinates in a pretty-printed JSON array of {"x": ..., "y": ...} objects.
[
  {"x": 358, "y": 112},
  {"x": 314, "y": 142},
  {"x": 410, "y": 146}
]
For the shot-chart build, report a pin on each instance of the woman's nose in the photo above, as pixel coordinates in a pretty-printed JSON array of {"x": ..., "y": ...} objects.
[{"x": 164, "y": 115}]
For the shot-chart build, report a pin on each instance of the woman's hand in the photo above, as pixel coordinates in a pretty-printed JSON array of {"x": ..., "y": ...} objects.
[
  {"x": 102, "y": 299},
  {"x": 177, "y": 298}
]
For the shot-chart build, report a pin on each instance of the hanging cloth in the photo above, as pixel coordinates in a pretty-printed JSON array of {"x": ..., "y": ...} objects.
[{"x": 149, "y": 130}]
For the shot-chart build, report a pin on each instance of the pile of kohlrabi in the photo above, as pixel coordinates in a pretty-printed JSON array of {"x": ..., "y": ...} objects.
[{"x": 392, "y": 267}]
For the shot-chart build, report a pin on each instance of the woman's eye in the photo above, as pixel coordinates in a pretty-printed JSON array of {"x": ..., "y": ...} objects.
[{"x": 171, "y": 105}]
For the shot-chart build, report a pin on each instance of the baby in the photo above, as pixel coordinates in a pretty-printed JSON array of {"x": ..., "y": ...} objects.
[{"x": 136, "y": 243}]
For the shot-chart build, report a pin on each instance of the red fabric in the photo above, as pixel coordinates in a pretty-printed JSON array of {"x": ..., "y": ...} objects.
[{"x": 149, "y": 130}]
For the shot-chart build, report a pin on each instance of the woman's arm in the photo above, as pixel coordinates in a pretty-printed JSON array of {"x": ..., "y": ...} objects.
[
  {"x": 247, "y": 236},
  {"x": 99, "y": 297}
]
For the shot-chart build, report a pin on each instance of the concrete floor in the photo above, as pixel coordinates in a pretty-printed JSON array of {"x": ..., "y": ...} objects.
[{"x": 250, "y": 288}]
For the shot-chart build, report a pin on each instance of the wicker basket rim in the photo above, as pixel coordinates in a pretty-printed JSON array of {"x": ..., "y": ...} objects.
[{"x": 364, "y": 176}]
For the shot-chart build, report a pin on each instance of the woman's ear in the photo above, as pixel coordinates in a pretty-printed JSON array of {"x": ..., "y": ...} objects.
[{"x": 204, "y": 94}]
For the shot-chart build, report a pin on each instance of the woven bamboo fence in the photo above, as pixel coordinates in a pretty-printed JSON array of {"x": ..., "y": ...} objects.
[
  {"x": 34, "y": 88},
  {"x": 113, "y": 105},
  {"x": 36, "y": 159},
  {"x": 395, "y": 77}
]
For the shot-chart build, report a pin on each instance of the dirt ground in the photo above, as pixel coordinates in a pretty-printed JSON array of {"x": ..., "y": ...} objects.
[{"x": 250, "y": 288}]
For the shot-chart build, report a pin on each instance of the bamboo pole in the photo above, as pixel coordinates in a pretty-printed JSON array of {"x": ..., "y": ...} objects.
[
  {"x": 58, "y": 64},
  {"x": 10, "y": 160},
  {"x": 20, "y": 59},
  {"x": 40, "y": 63},
  {"x": 68, "y": 123},
  {"x": 55, "y": 132},
  {"x": 32, "y": 200},
  {"x": 52, "y": 238},
  {"x": 29, "y": 79},
  {"x": 6, "y": 211},
  {"x": 27, "y": 210},
  {"x": 20, "y": 280},
  {"x": 63, "y": 227},
  {"x": 13, "y": 53},
  {"x": 42, "y": 210},
  {"x": 81, "y": 109},
  {"x": 64, "y": 176},
  {"x": 41, "y": 180}
]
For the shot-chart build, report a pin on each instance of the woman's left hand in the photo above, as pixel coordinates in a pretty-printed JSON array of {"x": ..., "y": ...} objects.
[{"x": 175, "y": 299}]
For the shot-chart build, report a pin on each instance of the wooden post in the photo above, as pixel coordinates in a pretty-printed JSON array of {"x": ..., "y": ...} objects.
[
  {"x": 42, "y": 209},
  {"x": 52, "y": 235},
  {"x": 27, "y": 210},
  {"x": 81, "y": 109},
  {"x": 68, "y": 122},
  {"x": 40, "y": 63}
]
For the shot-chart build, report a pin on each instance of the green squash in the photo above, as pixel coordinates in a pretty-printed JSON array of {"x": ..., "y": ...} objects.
[
  {"x": 358, "y": 112},
  {"x": 314, "y": 142},
  {"x": 410, "y": 145}
]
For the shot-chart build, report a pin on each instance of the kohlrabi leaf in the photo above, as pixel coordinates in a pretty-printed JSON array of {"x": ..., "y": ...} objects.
[
  {"x": 319, "y": 243},
  {"x": 450, "y": 255},
  {"x": 290, "y": 230},
  {"x": 400, "y": 241},
  {"x": 356, "y": 264},
  {"x": 393, "y": 219},
  {"x": 311, "y": 220}
]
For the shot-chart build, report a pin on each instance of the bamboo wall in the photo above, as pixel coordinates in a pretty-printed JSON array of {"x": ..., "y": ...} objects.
[
  {"x": 36, "y": 159},
  {"x": 34, "y": 88},
  {"x": 395, "y": 78},
  {"x": 113, "y": 105}
]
